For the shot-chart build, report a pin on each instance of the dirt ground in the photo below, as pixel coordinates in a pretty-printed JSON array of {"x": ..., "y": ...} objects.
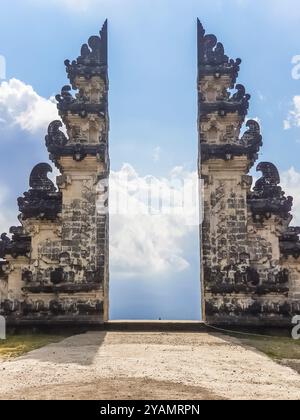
[{"x": 103, "y": 366}]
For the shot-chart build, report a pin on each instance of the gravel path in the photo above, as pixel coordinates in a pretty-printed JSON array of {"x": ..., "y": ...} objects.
[{"x": 147, "y": 366}]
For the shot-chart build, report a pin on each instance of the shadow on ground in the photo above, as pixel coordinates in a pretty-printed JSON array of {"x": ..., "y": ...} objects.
[{"x": 77, "y": 350}]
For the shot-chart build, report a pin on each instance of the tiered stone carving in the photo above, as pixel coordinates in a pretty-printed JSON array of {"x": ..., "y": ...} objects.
[
  {"x": 54, "y": 268},
  {"x": 250, "y": 255}
]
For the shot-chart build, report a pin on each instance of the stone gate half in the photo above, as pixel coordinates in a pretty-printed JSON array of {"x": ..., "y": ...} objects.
[
  {"x": 54, "y": 268},
  {"x": 250, "y": 254}
]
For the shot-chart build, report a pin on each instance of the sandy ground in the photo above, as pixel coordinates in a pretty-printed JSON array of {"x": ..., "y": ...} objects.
[{"x": 147, "y": 366}]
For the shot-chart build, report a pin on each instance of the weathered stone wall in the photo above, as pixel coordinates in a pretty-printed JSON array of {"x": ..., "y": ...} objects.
[
  {"x": 3, "y": 285},
  {"x": 55, "y": 267},
  {"x": 250, "y": 257}
]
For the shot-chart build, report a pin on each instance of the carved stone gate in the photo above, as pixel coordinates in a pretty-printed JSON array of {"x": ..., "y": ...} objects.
[
  {"x": 54, "y": 267},
  {"x": 250, "y": 254}
]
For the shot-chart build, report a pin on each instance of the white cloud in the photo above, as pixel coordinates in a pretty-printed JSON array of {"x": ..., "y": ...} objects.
[
  {"x": 21, "y": 106},
  {"x": 143, "y": 244},
  {"x": 293, "y": 119}
]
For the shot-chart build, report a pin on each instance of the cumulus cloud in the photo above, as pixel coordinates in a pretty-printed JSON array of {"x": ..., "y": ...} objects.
[
  {"x": 293, "y": 118},
  {"x": 149, "y": 238},
  {"x": 21, "y": 106}
]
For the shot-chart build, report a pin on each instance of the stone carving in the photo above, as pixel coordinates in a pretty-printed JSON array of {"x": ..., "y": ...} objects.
[
  {"x": 238, "y": 102},
  {"x": 212, "y": 51},
  {"x": 58, "y": 145},
  {"x": 39, "y": 178},
  {"x": 212, "y": 59},
  {"x": 3, "y": 274},
  {"x": 92, "y": 61},
  {"x": 269, "y": 180},
  {"x": 19, "y": 245},
  {"x": 80, "y": 105},
  {"x": 249, "y": 145},
  {"x": 257, "y": 309},
  {"x": 65, "y": 98},
  {"x": 240, "y": 95},
  {"x": 42, "y": 200},
  {"x": 55, "y": 137},
  {"x": 57, "y": 276},
  {"x": 290, "y": 243},
  {"x": 252, "y": 136},
  {"x": 4, "y": 245},
  {"x": 268, "y": 198}
]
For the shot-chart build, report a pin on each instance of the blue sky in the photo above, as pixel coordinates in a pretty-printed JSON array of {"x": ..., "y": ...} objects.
[{"x": 153, "y": 108}]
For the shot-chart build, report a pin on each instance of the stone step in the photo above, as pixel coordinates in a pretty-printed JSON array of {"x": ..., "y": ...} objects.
[{"x": 155, "y": 326}]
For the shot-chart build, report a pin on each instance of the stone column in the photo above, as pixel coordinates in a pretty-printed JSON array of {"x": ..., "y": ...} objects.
[{"x": 83, "y": 159}]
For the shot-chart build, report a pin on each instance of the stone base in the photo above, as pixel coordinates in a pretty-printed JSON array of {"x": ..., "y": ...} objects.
[
  {"x": 86, "y": 324},
  {"x": 82, "y": 322},
  {"x": 251, "y": 322},
  {"x": 155, "y": 326}
]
